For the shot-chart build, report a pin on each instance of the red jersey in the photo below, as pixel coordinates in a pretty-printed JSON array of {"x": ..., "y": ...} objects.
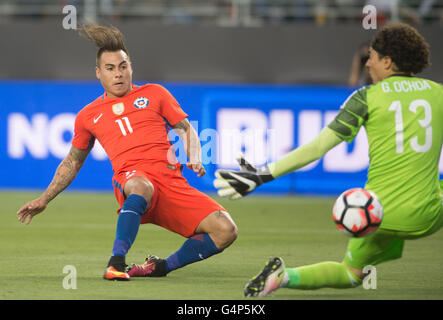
[{"x": 132, "y": 129}]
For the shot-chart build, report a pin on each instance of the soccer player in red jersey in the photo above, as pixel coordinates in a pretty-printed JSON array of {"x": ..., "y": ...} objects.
[{"x": 131, "y": 123}]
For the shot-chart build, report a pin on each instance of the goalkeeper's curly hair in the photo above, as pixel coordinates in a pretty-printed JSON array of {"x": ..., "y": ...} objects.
[
  {"x": 404, "y": 45},
  {"x": 105, "y": 38}
]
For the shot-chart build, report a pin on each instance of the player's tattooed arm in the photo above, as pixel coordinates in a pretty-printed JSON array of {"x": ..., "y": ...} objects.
[
  {"x": 65, "y": 173},
  {"x": 192, "y": 146},
  {"x": 182, "y": 126},
  {"x": 186, "y": 133}
]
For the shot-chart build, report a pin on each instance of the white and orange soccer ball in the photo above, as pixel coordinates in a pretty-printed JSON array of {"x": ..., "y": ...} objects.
[{"x": 357, "y": 212}]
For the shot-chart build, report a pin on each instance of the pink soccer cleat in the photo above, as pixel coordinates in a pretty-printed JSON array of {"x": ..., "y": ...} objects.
[{"x": 152, "y": 267}]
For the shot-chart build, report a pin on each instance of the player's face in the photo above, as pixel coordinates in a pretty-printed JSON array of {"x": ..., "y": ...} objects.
[
  {"x": 115, "y": 73},
  {"x": 378, "y": 68}
]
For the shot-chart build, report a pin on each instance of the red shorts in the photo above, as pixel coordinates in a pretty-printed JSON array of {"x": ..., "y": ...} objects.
[{"x": 175, "y": 205}]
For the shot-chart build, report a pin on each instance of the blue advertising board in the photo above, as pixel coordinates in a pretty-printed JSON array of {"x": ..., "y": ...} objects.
[{"x": 265, "y": 122}]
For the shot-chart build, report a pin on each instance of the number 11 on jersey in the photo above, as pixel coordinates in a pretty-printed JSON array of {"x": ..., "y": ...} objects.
[{"x": 122, "y": 126}]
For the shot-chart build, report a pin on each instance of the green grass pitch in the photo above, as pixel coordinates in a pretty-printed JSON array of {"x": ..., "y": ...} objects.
[{"x": 78, "y": 229}]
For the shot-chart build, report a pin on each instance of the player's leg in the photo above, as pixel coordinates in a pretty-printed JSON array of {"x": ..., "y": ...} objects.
[
  {"x": 328, "y": 274},
  {"x": 380, "y": 247},
  {"x": 215, "y": 233},
  {"x": 138, "y": 193},
  {"x": 182, "y": 209},
  {"x": 384, "y": 245},
  {"x": 220, "y": 227}
]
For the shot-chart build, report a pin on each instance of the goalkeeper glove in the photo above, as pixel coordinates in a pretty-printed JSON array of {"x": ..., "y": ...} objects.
[{"x": 237, "y": 184}]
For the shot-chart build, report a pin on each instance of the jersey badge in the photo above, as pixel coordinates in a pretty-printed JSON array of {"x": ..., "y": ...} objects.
[
  {"x": 118, "y": 108},
  {"x": 141, "y": 102}
]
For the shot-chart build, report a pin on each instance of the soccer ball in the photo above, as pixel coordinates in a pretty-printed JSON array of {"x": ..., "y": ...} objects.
[{"x": 357, "y": 212}]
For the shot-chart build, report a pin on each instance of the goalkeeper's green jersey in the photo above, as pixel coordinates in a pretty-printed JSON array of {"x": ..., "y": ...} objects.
[{"x": 403, "y": 118}]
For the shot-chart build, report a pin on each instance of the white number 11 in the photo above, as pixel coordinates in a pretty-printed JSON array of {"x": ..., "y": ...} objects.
[
  {"x": 122, "y": 127},
  {"x": 425, "y": 123}
]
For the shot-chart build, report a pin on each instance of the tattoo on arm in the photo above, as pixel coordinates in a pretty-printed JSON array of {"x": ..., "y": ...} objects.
[
  {"x": 66, "y": 172},
  {"x": 190, "y": 139},
  {"x": 182, "y": 126}
]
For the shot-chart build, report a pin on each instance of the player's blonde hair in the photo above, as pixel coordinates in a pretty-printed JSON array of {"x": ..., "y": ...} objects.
[{"x": 105, "y": 38}]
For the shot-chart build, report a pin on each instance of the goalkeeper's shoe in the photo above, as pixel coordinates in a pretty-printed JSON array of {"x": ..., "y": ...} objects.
[
  {"x": 152, "y": 267},
  {"x": 268, "y": 280},
  {"x": 116, "y": 269},
  {"x": 237, "y": 184}
]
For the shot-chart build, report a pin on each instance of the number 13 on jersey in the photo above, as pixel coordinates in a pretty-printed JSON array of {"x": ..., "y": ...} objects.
[{"x": 425, "y": 123}]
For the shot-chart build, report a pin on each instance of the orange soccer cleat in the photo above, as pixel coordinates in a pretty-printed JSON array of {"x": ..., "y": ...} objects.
[{"x": 113, "y": 274}]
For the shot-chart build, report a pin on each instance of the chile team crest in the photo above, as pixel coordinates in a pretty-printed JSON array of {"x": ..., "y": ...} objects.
[{"x": 141, "y": 102}]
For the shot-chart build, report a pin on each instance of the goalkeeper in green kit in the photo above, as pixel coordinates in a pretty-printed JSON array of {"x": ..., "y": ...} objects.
[{"x": 403, "y": 118}]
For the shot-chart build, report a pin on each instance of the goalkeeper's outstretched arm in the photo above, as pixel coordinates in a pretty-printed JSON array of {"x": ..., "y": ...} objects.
[
  {"x": 236, "y": 184},
  {"x": 305, "y": 154}
]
